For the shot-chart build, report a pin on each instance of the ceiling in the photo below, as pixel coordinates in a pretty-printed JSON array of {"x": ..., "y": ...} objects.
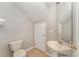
[{"x": 37, "y": 11}]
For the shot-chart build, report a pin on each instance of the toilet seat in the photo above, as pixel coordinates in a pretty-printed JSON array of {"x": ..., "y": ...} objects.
[{"x": 20, "y": 53}]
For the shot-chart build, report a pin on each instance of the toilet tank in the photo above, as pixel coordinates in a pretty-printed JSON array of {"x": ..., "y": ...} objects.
[{"x": 15, "y": 45}]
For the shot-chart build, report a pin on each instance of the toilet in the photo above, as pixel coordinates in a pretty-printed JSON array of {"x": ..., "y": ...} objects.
[{"x": 16, "y": 49}]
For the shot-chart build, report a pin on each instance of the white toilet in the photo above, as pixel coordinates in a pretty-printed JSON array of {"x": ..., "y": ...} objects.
[{"x": 16, "y": 48}]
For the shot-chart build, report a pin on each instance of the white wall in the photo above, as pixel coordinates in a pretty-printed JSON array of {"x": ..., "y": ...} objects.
[
  {"x": 76, "y": 22},
  {"x": 76, "y": 27},
  {"x": 17, "y": 26},
  {"x": 51, "y": 24}
]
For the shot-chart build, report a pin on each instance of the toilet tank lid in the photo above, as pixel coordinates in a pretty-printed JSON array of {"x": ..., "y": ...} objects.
[{"x": 15, "y": 41}]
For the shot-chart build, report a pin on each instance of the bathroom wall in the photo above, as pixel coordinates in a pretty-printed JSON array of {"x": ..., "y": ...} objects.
[
  {"x": 17, "y": 26},
  {"x": 76, "y": 22},
  {"x": 76, "y": 27},
  {"x": 51, "y": 22},
  {"x": 51, "y": 25}
]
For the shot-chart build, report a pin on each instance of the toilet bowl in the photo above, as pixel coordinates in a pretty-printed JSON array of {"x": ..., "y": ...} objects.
[
  {"x": 16, "y": 48},
  {"x": 19, "y": 53}
]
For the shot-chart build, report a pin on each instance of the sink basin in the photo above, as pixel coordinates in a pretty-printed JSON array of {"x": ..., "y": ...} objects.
[{"x": 56, "y": 46}]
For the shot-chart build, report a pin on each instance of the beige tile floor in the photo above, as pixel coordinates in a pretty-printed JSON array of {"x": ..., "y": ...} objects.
[{"x": 34, "y": 52}]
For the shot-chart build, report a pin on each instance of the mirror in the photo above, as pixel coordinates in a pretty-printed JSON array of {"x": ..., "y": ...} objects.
[{"x": 65, "y": 21}]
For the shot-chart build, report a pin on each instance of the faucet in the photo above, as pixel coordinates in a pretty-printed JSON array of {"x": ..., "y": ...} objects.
[{"x": 72, "y": 45}]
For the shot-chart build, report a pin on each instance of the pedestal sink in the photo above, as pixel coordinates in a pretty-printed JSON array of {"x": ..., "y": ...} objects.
[{"x": 57, "y": 47}]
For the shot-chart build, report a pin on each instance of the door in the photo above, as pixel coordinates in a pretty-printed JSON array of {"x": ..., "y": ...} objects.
[{"x": 40, "y": 36}]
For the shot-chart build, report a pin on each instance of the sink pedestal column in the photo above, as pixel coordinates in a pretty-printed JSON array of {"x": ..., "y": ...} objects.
[{"x": 54, "y": 54}]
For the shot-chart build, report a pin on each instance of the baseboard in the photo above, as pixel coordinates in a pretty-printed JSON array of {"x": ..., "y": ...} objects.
[{"x": 29, "y": 48}]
